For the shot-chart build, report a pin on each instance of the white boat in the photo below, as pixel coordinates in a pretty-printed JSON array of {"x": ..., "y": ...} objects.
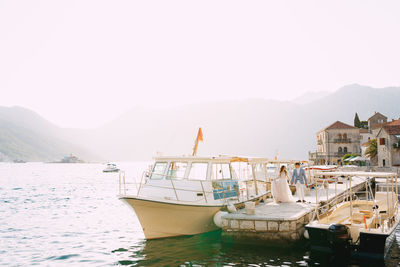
[
  {"x": 111, "y": 167},
  {"x": 184, "y": 195},
  {"x": 362, "y": 227}
]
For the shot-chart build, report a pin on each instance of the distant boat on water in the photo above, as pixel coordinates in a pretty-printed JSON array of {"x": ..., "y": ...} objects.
[
  {"x": 19, "y": 161},
  {"x": 69, "y": 159},
  {"x": 111, "y": 167}
]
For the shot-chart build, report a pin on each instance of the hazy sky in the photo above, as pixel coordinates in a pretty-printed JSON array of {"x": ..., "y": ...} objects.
[{"x": 81, "y": 63}]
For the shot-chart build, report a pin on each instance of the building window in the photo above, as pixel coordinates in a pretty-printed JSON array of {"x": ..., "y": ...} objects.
[
  {"x": 345, "y": 149},
  {"x": 339, "y": 136},
  {"x": 340, "y": 150},
  {"x": 344, "y": 136},
  {"x": 382, "y": 141},
  {"x": 383, "y": 163}
]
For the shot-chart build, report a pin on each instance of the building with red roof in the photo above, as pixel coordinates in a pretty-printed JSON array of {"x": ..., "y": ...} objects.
[
  {"x": 335, "y": 141},
  {"x": 388, "y": 142}
]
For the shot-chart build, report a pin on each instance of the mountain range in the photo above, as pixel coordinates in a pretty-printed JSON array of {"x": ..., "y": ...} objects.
[{"x": 250, "y": 127}]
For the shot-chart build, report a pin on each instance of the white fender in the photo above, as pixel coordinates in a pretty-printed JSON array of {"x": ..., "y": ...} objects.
[
  {"x": 231, "y": 208},
  {"x": 218, "y": 218}
]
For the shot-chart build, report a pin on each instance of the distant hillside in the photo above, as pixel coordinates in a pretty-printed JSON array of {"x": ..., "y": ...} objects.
[
  {"x": 310, "y": 97},
  {"x": 26, "y": 136},
  {"x": 255, "y": 127}
]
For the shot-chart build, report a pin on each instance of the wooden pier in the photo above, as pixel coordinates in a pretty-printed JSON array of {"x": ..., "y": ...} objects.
[{"x": 280, "y": 224}]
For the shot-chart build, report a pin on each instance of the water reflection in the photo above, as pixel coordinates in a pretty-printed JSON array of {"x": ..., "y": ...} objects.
[{"x": 208, "y": 250}]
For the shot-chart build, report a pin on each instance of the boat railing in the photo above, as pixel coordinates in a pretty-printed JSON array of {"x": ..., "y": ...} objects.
[
  {"x": 222, "y": 190},
  {"x": 348, "y": 195},
  {"x": 325, "y": 204}
]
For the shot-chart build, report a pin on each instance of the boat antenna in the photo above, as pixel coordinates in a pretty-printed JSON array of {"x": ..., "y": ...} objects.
[{"x": 198, "y": 138}]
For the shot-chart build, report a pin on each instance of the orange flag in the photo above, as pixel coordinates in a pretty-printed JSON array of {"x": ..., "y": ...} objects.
[{"x": 200, "y": 135}]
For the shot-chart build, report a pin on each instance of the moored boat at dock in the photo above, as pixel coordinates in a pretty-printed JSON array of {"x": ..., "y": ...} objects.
[
  {"x": 358, "y": 227},
  {"x": 185, "y": 195}
]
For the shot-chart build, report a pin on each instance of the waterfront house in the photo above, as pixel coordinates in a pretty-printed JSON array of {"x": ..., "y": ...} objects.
[
  {"x": 376, "y": 119},
  {"x": 335, "y": 141},
  {"x": 388, "y": 142},
  {"x": 366, "y": 136}
]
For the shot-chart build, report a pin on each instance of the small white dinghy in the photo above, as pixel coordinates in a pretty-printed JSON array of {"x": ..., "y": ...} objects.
[{"x": 111, "y": 167}]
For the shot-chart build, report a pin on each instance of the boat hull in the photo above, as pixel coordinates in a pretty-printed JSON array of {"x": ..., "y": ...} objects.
[
  {"x": 371, "y": 245},
  {"x": 164, "y": 219},
  {"x": 114, "y": 170}
]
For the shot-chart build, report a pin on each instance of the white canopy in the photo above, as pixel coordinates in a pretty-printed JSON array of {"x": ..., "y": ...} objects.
[
  {"x": 359, "y": 158},
  {"x": 350, "y": 158}
]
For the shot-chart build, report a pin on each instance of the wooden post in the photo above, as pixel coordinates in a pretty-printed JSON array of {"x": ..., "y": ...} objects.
[
  {"x": 254, "y": 178},
  {"x": 351, "y": 198},
  {"x": 392, "y": 182},
  {"x": 397, "y": 196}
]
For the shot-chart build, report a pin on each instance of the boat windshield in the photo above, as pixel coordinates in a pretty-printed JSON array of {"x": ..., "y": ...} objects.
[
  {"x": 177, "y": 170},
  {"x": 221, "y": 171},
  {"x": 198, "y": 171},
  {"x": 158, "y": 170}
]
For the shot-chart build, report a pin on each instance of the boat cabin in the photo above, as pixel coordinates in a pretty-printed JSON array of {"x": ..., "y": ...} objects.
[{"x": 193, "y": 178}]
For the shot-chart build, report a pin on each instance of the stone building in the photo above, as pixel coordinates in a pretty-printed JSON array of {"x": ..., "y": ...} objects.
[
  {"x": 366, "y": 136},
  {"x": 388, "y": 141},
  {"x": 335, "y": 141},
  {"x": 375, "y": 120}
]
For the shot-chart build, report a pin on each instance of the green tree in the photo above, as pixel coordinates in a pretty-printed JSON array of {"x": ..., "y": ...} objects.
[
  {"x": 364, "y": 125},
  {"x": 372, "y": 149},
  {"x": 357, "y": 122}
]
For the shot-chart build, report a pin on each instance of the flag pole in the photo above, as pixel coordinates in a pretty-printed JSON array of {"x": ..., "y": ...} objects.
[{"x": 196, "y": 144}]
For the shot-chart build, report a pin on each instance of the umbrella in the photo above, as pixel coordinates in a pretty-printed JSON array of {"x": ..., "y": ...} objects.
[
  {"x": 349, "y": 158},
  {"x": 359, "y": 158}
]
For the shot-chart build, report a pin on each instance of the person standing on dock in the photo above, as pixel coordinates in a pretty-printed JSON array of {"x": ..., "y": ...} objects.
[
  {"x": 300, "y": 180},
  {"x": 280, "y": 187}
]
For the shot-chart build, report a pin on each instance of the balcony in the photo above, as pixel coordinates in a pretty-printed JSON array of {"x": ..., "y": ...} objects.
[
  {"x": 342, "y": 141},
  {"x": 341, "y": 154},
  {"x": 317, "y": 155}
]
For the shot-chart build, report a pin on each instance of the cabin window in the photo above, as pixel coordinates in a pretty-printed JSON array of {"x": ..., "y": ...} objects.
[
  {"x": 221, "y": 171},
  {"x": 158, "y": 170},
  {"x": 176, "y": 170},
  {"x": 382, "y": 141},
  {"x": 198, "y": 171}
]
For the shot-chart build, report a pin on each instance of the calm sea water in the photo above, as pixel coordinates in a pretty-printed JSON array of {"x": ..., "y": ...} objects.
[{"x": 69, "y": 215}]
